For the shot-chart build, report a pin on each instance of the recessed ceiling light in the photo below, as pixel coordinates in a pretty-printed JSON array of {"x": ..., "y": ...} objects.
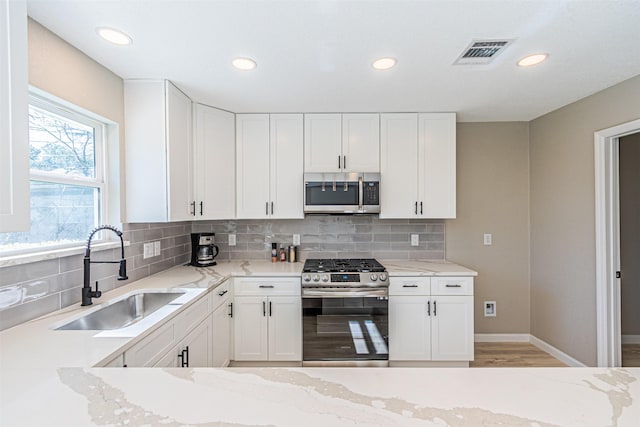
[
  {"x": 244, "y": 64},
  {"x": 384, "y": 63},
  {"x": 530, "y": 60},
  {"x": 114, "y": 36}
]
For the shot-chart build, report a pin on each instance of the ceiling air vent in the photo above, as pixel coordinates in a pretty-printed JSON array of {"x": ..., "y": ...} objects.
[{"x": 482, "y": 51}]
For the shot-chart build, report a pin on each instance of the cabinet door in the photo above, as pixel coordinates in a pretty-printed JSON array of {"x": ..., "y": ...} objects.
[
  {"x": 409, "y": 328},
  {"x": 250, "y": 328},
  {"x": 437, "y": 181},
  {"x": 399, "y": 166},
  {"x": 361, "y": 142},
  {"x": 214, "y": 163},
  {"x": 179, "y": 149},
  {"x": 322, "y": 143},
  {"x": 452, "y": 327},
  {"x": 220, "y": 332},
  {"x": 252, "y": 165},
  {"x": 287, "y": 156},
  {"x": 198, "y": 345},
  {"x": 170, "y": 360},
  {"x": 285, "y": 329},
  {"x": 14, "y": 141}
]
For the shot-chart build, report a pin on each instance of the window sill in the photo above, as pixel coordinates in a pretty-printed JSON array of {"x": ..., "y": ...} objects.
[{"x": 19, "y": 259}]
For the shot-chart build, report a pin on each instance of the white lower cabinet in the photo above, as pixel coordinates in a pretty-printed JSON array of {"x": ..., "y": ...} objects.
[
  {"x": 267, "y": 319},
  {"x": 431, "y": 319},
  {"x": 194, "y": 351}
]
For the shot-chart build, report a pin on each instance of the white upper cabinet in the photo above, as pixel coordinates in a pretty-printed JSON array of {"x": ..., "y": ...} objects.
[
  {"x": 158, "y": 152},
  {"x": 361, "y": 142},
  {"x": 437, "y": 174},
  {"x": 214, "y": 163},
  {"x": 287, "y": 181},
  {"x": 418, "y": 165},
  {"x": 323, "y": 143},
  {"x": 342, "y": 143},
  {"x": 269, "y": 156},
  {"x": 14, "y": 141}
]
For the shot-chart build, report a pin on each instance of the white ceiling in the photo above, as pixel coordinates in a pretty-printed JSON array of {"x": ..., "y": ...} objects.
[{"x": 315, "y": 56}]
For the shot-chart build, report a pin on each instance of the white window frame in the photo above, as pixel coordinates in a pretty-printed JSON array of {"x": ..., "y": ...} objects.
[{"x": 41, "y": 100}]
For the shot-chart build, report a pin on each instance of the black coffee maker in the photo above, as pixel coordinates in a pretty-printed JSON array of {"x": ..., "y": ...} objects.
[{"x": 203, "y": 249}]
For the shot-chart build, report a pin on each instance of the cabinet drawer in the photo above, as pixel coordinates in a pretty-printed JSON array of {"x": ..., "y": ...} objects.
[
  {"x": 266, "y": 286},
  {"x": 452, "y": 286},
  {"x": 409, "y": 285},
  {"x": 220, "y": 294},
  {"x": 192, "y": 316}
]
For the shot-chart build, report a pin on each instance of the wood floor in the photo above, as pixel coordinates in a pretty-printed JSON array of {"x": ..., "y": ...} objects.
[
  {"x": 631, "y": 355},
  {"x": 512, "y": 355}
]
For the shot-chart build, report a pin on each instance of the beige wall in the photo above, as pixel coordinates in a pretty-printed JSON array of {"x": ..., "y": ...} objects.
[
  {"x": 630, "y": 233},
  {"x": 563, "y": 303},
  {"x": 493, "y": 197}
]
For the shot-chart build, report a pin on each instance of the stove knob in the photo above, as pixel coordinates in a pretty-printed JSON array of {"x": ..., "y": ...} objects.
[
  {"x": 325, "y": 278},
  {"x": 306, "y": 277},
  {"x": 316, "y": 278},
  {"x": 374, "y": 277},
  {"x": 383, "y": 276}
]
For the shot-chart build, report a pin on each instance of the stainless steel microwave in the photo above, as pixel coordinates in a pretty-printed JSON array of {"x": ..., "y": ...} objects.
[{"x": 342, "y": 193}]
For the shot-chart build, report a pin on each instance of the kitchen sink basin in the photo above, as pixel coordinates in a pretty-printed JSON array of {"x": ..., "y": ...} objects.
[{"x": 122, "y": 312}]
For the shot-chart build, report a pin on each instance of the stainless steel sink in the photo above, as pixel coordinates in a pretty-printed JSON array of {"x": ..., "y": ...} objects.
[{"x": 122, "y": 312}]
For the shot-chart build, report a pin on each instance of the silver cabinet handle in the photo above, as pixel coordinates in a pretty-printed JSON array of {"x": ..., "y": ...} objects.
[
  {"x": 409, "y": 286},
  {"x": 453, "y": 286},
  {"x": 266, "y": 286}
]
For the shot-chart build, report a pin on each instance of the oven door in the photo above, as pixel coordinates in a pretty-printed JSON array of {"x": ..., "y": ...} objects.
[{"x": 344, "y": 330}]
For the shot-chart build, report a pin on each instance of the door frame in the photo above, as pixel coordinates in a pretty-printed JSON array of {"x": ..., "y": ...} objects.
[{"x": 607, "y": 204}]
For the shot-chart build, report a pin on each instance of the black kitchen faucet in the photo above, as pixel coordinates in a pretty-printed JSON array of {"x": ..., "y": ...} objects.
[{"x": 87, "y": 292}]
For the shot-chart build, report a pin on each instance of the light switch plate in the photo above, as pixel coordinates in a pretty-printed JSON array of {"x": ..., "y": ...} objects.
[
  {"x": 488, "y": 239},
  {"x": 232, "y": 239},
  {"x": 296, "y": 240},
  {"x": 148, "y": 250},
  {"x": 415, "y": 240},
  {"x": 157, "y": 249}
]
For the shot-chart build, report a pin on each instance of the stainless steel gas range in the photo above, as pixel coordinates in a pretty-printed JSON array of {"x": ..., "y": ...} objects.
[{"x": 345, "y": 310}]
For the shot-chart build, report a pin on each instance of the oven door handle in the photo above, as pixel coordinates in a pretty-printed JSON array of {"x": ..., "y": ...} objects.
[{"x": 345, "y": 294}]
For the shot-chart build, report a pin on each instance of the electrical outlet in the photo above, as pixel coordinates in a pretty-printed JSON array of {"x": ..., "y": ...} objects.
[
  {"x": 488, "y": 238},
  {"x": 232, "y": 239},
  {"x": 415, "y": 240},
  {"x": 148, "y": 250},
  {"x": 490, "y": 309},
  {"x": 157, "y": 248},
  {"x": 296, "y": 240}
]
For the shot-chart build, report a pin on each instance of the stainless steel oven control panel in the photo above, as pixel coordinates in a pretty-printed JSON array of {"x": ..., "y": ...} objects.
[{"x": 344, "y": 279}]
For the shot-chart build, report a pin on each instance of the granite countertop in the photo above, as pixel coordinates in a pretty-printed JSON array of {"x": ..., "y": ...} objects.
[{"x": 46, "y": 379}]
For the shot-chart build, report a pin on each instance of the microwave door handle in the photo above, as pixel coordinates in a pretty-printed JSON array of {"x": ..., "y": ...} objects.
[{"x": 360, "y": 193}]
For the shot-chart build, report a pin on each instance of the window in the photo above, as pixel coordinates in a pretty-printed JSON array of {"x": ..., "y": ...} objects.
[{"x": 67, "y": 185}]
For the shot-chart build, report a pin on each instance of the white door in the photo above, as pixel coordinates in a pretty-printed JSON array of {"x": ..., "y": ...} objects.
[
  {"x": 287, "y": 157},
  {"x": 197, "y": 346},
  {"x": 252, "y": 166},
  {"x": 399, "y": 166},
  {"x": 170, "y": 360},
  {"x": 437, "y": 183},
  {"x": 452, "y": 327},
  {"x": 214, "y": 163},
  {"x": 285, "y": 328},
  {"x": 361, "y": 142},
  {"x": 179, "y": 152},
  {"x": 220, "y": 333},
  {"x": 14, "y": 141},
  {"x": 322, "y": 143},
  {"x": 409, "y": 328},
  {"x": 250, "y": 328}
]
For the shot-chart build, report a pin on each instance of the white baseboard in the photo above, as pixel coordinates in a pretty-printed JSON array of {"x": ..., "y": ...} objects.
[
  {"x": 558, "y": 354},
  {"x": 631, "y": 339},
  {"x": 501, "y": 337}
]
